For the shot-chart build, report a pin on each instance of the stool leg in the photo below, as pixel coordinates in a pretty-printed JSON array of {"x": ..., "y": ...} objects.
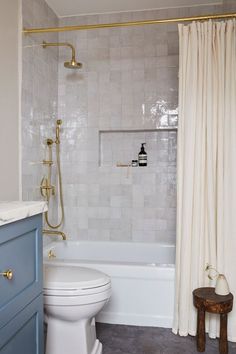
[
  {"x": 223, "y": 334},
  {"x": 201, "y": 336}
]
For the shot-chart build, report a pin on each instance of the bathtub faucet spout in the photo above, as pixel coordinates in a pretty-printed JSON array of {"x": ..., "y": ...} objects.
[{"x": 53, "y": 232}]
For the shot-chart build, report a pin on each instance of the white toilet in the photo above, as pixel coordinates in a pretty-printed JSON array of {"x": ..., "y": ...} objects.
[{"x": 72, "y": 298}]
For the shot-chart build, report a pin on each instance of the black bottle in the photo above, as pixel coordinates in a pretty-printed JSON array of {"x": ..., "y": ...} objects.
[{"x": 142, "y": 156}]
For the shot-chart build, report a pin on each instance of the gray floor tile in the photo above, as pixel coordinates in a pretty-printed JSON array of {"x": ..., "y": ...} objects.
[{"x": 119, "y": 339}]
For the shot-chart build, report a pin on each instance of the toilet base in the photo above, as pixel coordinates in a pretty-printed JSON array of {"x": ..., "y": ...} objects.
[
  {"x": 97, "y": 349},
  {"x": 73, "y": 338}
]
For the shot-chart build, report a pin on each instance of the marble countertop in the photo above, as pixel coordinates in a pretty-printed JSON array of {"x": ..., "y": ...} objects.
[{"x": 17, "y": 210}]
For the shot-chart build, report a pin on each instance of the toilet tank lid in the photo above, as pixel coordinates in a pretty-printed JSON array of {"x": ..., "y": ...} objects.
[{"x": 73, "y": 277}]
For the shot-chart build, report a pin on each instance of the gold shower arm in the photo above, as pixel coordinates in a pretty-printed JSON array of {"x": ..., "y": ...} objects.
[
  {"x": 60, "y": 44},
  {"x": 128, "y": 24}
]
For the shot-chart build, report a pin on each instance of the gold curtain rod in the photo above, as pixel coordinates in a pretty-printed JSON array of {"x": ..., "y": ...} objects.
[{"x": 127, "y": 24}]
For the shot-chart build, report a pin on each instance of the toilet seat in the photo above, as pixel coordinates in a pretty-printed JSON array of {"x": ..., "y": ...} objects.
[
  {"x": 74, "y": 281},
  {"x": 73, "y": 296}
]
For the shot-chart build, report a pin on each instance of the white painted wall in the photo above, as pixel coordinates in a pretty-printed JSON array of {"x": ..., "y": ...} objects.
[
  {"x": 80, "y": 7},
  {"x": 9, "y": 99}
]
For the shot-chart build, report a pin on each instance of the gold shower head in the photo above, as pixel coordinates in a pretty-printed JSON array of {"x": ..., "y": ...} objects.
[{"x": 72, "y": 64}]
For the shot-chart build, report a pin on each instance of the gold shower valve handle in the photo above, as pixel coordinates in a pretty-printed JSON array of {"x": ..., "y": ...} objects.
[{"x": 7, "y": 274}]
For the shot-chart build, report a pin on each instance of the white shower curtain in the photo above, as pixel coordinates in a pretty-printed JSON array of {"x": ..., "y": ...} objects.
[{"x": 206, "y": 172}]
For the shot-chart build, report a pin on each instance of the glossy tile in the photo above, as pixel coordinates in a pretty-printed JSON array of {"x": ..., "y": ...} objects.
[{"x": 125, "y": 94}]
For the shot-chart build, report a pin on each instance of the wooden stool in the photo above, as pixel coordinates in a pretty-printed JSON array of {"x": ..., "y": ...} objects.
[{"x": 205, "y": 299}]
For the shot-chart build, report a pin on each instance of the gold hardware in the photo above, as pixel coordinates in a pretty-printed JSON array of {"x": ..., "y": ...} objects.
[
  {"x": 47, "y": 162},
  {"x": 47, "y": 183},
  {"x": 51, "y": 254},
  {"x": 122, "y": 164},
  {"x": 49, "y": 142},
  {"x": 59, "y": 44},
  {"x": 59, "y": 122},
  {"x": 127, "y": 24},
  {"x": 46, "y": 188},
  {"x": 7, "y": 274},
  {"x": 72, "y": 64},
  {"x": 54, "y": 232}
]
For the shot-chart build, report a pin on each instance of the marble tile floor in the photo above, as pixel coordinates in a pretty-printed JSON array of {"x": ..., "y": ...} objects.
[{"x": 120, "y": 339}]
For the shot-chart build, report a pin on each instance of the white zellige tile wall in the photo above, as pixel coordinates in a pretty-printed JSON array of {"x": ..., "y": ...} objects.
[
  {"x": 125, "y": 94},
  {"x": 126, "y": 91},
  {"x": 39, "y": 97}
]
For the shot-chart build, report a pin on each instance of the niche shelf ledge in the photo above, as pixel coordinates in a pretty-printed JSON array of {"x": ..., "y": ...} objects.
[{"x": 123, "y": 145}]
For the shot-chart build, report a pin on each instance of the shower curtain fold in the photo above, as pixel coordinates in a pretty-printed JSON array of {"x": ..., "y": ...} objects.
[{"x": 206, "y": 172}]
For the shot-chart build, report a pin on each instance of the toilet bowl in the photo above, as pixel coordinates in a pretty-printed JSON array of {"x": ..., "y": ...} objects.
[{"x": 72, "y": 298}]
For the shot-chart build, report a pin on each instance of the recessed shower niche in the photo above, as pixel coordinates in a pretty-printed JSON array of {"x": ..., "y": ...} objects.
[{"x": 120, "y": 147}]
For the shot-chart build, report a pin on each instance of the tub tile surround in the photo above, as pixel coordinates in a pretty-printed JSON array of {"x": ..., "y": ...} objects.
[
  {"x": 39, "y": 94},
  {"x": 125, "y": 94},
  {"x": 129, "y": 82},
  {"x": 39, "y": 100}
]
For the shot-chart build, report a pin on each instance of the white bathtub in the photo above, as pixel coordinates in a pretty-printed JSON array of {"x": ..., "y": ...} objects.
[{"x": 142, "y": 278}]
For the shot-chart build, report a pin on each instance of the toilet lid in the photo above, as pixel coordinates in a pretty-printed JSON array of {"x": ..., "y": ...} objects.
[{"x": 73, "y": 278}]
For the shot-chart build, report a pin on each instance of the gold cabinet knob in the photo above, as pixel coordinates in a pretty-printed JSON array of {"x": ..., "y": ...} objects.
[{"x": 7, "y": 274}]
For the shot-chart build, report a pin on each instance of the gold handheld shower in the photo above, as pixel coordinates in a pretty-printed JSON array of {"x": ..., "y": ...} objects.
[
  {"x": 59, "y": 122},
  {"x": 46, "y": 188},
  {"x": 72, "y": 64}
]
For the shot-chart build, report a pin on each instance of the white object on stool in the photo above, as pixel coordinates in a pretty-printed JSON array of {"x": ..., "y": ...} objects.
[{"x": 222, "y": 287}]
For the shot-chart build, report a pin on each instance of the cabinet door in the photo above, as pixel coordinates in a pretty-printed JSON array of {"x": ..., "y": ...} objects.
[
  {"x": 20, "y": 251},
  {"x": 24, "y": 334}
]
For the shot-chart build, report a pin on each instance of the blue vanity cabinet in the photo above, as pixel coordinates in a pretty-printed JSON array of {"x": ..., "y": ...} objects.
[
  {"x": 24, "y": 334},
  {"x": 21, "y": 283}
]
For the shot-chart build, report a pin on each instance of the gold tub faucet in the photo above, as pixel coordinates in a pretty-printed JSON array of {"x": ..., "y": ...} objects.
[{"x": 54, "y": 232}]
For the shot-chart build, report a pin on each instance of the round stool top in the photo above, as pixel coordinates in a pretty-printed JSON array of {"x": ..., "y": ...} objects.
[{"x": 207, "y": 298}]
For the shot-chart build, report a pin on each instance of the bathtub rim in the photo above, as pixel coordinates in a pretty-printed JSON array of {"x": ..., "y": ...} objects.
[{"x": 54, "y": 244}]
